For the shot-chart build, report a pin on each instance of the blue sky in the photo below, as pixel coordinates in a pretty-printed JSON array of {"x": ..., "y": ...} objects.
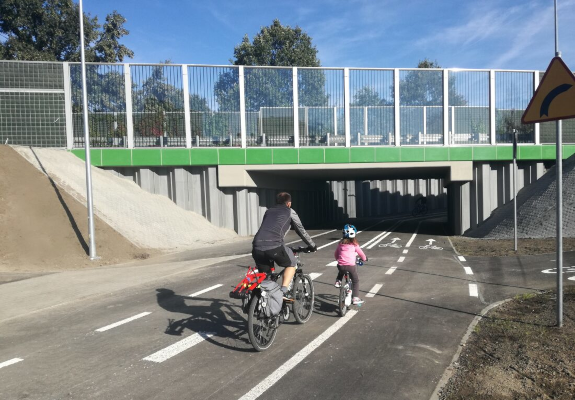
[{"x": 500, "y": 34}]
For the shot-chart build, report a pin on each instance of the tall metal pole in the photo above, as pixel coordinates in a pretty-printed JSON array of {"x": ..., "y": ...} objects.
[
  {"x": 559, "y": 170},
  {"x": 87, "y": 142},
  {"x": 515, "y": 187}
]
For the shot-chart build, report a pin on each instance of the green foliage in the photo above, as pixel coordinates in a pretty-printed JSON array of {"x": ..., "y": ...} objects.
[
  {"x": 425, "y": 88},
  {"x": 48, "y": 30},
  {"x": 280, "y": 46},
  {"x": 277, "y": 45}
]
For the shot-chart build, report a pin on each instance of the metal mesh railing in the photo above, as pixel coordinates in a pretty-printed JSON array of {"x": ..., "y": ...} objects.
[
  {"x": 32, "y": 104},
  {"x": 106, "y": 105},
  {"x": 41, "y": 104},
  {"x": 158, "y": 106}
]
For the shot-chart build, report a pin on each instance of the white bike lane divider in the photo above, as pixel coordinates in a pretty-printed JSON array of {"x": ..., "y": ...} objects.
[
  {"x": 373, "y": 291},
  {"x": 122, "y": 322},
  {"x": 473, "y": 288},
  {"x": 279, "y": 373},
  {"x": 206, "y": 290},
  {"x": 178, "y": 347},
  {"x": 10, "y": 362}
]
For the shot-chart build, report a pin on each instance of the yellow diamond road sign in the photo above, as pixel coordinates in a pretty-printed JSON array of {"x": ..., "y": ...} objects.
[{"x": 555, "y": 97}]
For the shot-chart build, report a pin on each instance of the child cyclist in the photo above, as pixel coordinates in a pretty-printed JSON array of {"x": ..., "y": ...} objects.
[{"x": 345, "y": 255}]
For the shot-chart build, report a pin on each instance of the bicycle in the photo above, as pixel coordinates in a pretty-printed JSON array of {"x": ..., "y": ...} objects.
[
  {"x": 262, "y": 330},
  {"x": 345, "y": 291}
]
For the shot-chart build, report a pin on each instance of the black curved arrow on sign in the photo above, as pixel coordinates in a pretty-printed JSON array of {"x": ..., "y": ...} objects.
[{"x": 551, "y": 96}]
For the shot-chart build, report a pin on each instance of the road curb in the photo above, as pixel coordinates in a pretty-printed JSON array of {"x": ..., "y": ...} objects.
[{"x": 449, "y": 371}]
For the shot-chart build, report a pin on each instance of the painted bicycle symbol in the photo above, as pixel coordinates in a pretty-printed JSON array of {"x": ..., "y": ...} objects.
[
  {"x": 430, "y": 246},
  {"x": 566, "y": 270},
  {"x": 392, "y": 244}
]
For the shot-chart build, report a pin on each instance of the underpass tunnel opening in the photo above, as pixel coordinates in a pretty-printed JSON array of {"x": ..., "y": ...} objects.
[{"x": 328, "y": 198}]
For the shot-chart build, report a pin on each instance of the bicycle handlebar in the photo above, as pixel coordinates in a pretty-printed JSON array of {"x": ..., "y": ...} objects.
[{"x": 301, "y": 249}]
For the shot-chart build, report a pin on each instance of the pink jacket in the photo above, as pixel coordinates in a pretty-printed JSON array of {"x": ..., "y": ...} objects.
[{"x": 345, "y": 254}]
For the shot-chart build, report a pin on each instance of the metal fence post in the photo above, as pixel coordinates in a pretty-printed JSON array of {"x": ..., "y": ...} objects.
[
  {"x": 68, "y": 106},
  {"x": 396, "y": 107},
  {"x": 295, "y": 108},
  {"x": 187, "y": 119},
  {"x": 537, "y": 126},
  {"x": 129, "y": 119},
  {"x": 445, "y": 108},
  {"x": 492, "y": 107},
  {"x": 242, "y": 107},
  {"x": 347, "y": 100}
]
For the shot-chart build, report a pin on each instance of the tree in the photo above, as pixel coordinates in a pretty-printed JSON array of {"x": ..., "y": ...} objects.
[
  {"x": 367, "y": 96},
  {"x": 48, "y": 30},
  {"x": 425, "y": 88},
  {"x": 279, "y": 46}
]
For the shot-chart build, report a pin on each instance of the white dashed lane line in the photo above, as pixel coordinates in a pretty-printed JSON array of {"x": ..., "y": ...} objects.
[
  {"x": 468, "y": 270},
  {"x": 473, "y": 292},
  {"x": 413, "y": 236},
  {"x": 332, "y": 264},
  {"x": 122, "y": 322},
  {"x": 205, "y": 290},
  {"x": 178, "y": 347},
  {"x": 461, "y": 258},
  {"x": 391, "y": 271},
  {"x": 296, "y": 359},
  {"x": 405, "y": 251},
  {"x": 401, "y": 259},
  {"x": 374, "y": 290},
  {"x": 314, "y": 275},
  {"x": 10, "y": 362}
]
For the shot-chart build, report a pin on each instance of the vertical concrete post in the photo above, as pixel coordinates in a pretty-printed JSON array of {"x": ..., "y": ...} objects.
[
  {"x": 295, "y": 108},
  {"x": 128, "y": 96},
  {"x": 347, "y": 101},
  {"x": 446, "y": 107},
  {"x": 492, "y": 107},
  {"x": 243, "y": 124},
  {"x": 396, "y": 109},
  {"x": 187, "y": 120},
  {"x": 68, "y": 106}
]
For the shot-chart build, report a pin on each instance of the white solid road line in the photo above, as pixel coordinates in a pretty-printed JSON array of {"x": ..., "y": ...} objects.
[
  {"x": 314, "y": 236},
  {"x": 122, "y": 322},
  {"x": 473, "y": 292},
  {"x": 205, "y": 290},
  {"x": 329, "y": 244},
  {"x": 178, "y": 347},
  {"x": 468, "y": 270},
  {"x": 413, "y": 236},
  {"x": 374, "y": 290},
  {"x": 401, "y": 259},
  {"x": 461, "y": 258},
  {"x": 296, "y": 359},
  {"x": 10, "y": 362},
  {"x": 391, "y": 271},
  {"x": 314, "y": 275}
]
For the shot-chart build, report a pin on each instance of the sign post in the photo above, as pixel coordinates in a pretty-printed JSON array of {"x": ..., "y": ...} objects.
[
  {"x": 89, "y": 202},
  {"x": 554, "y": 100}
]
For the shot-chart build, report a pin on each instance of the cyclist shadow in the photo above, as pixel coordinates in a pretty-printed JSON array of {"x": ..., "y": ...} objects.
[
  {"x": 326, "y": 304},
  {"x": 219, "y": 317}
]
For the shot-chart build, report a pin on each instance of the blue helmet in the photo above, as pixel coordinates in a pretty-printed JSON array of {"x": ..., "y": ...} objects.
[{"x": 349, "y": 231}]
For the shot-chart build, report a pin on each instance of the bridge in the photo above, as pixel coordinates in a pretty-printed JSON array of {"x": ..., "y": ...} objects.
[{"x": 370, "y": 134}]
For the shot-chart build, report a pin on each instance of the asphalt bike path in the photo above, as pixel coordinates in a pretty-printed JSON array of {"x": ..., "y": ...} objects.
[
  {"x": 80, "y": 321},
  {"x": 396, "y": 346}
]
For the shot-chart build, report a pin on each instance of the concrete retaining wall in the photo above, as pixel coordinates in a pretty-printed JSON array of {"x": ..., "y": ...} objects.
[{"x": 241, "y": 209}]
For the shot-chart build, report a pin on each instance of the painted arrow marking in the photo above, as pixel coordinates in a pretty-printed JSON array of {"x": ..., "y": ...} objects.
[
  {"x": 430, "y": 241},
  {"x": 551, "y": 96},
  {"x": 395, "y": 240}
]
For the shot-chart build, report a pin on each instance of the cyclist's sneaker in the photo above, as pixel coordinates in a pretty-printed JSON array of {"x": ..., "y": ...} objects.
[
  {"x": 357, "y": 301},
  {"x": 337, "y": 284}
]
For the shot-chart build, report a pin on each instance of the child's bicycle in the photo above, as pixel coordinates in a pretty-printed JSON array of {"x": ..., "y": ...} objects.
[
  {"x": 262, "y": 329},
  {"x": 345, "y": 291}
]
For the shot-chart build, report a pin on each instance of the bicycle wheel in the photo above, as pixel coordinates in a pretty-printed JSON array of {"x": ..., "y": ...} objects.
[
  {"x": 342, "y": 308},
  {"x": 261, "y": 330},
  {"x": 303, "y": 298}
]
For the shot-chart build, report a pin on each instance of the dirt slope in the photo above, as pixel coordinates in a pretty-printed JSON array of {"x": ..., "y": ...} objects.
[{"x": 42, "y": 228}]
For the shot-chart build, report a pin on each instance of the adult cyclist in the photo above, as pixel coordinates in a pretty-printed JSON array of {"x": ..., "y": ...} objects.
[{"x": 268, "y": 244}]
